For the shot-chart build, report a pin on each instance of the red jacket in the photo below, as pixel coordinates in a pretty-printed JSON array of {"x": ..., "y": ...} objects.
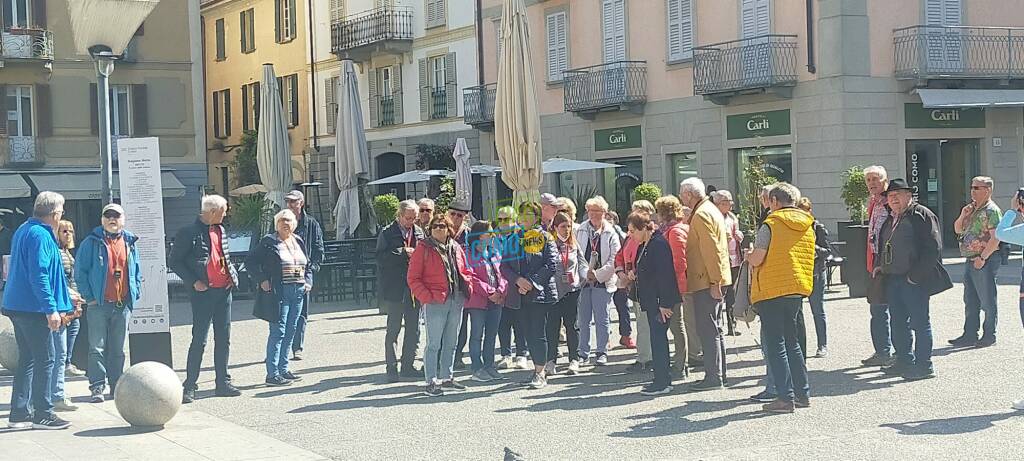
[
  {"x": 676, "y": 234},
  {"x": 427, "y": 278}
]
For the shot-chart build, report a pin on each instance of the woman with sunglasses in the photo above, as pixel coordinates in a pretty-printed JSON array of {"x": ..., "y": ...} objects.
[
  {"x": 485, "y": 305},
  {"x": 507, "y": 242},
  {"x": 439, "y": 279},
  {"x": 64, "y": 339}
]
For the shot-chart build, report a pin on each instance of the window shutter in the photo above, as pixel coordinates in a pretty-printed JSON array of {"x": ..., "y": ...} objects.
[
  {"x": 331, "y": 104},
  {"x": 497, "y": 36},
  {"x": 220, "y": 39},
  {"x": 756, "y": 18},
  {"x": 680, "y": 29},
  {"x": 39, "y": 13},
  {"x": 442, "y": 13},
  {"x": 291, "y": 19},
  {"x": 227, "y": 113},
  {"x": 558, "y": 55},
  {"x": 371, "y": 85},
  {"x": 277, "y": 20},
  {"x": 451, "y": 87},
  {"x": 424, "y": 87},
  {"x": 217, "y": 116},
  {"x": 246, "y": 109},
  {"x": 242, "y": 30},
  {"x": 44, "y": 118},
  {"x": 94, "y": 122},
  {"x": 396, "y": 92},
  {"x": 3, "y": 103},
  {"x": 140, "y": 111},
  {"x": 294, "y": 89},
  {"x": 256, "y": 105},
  {"x": 614, "y": 19}
]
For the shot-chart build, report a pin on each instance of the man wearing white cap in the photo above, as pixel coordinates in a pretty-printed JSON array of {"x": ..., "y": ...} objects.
[
  {"x": 109, "y": 278},
  {"x": 313, "y": 245},
  {"x": 549, "y": 206}
]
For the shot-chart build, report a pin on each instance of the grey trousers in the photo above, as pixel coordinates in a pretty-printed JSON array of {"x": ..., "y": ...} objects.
[
  {"x": 679, "y": 339},
  {"x": 642, "y": 335},
  {"x": 693, "y": 348},
  {"x": 706, "y": 310}
]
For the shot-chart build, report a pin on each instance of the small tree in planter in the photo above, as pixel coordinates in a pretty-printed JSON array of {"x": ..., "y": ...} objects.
[
  {"x": 385, "y": 207},
  {"x": 855, "y": 193},
  {"x": 647, "y": 191},
  {"x": 755, "y": 177},
  {"x": 445, "y": 197}
]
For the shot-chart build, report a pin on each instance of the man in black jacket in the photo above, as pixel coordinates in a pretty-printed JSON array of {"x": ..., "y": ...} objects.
[
  {"x": 200, "y": 257},
  {"x": 312, "y": 236},
  {"x": 909, "y": 256},
  {"x": 395, "y": 246}
]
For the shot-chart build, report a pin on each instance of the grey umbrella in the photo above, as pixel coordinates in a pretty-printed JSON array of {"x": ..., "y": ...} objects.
[
  {"x": 273, "y": 152},
  {"x": 350, "y": 153},
  {"x": 463, "y": 199}
]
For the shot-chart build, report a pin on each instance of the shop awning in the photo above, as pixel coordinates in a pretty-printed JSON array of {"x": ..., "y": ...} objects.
[
  {"x": 86, "y": 186},
  {"x": 14, "y": 186},
  {"x": 935, "y": 98}
]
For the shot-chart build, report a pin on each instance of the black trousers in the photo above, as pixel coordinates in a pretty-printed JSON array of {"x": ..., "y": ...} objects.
[
  {"x": 460, "y": 346},
  {"x": 563, "y": 313},
  {"x": 397, "y": 318},
  {"x": 210, "y": 307},
  {"x": 535, "y": 316}
]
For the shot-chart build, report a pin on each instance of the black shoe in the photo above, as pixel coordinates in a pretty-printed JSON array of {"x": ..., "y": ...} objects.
[
  {"x": 297, "y": 354},
  {"x": 393, "y": 376},
  {"x": 963, "y": 341},
  {"x": 897, "y": 368},
  {"x": 706, "y": 385},
  {"x": 459, "y": 364},
  {"x": 291, "y": 376},
  {"x": 917, "y": 374},
  {"x": 50, "y": 423},
  {"x": 764, "y": 397},
  {"x": 985, "y": 341},
  {"x": 96, "y": 395},
  {"x": 188, "y": 395},
  {"x": 452, "y": 384},
  {"x": 651, "y": 390},
  {"x": 227, "y": 390},
  {"x": 433, "y": 390},
  {"x": 411, "y": 372},
  {"x": 277, "y": 381}
]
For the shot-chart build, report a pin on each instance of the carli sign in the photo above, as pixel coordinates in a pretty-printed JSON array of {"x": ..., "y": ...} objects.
[
  {"x": 770, "y": 123},
  {"x": 917, "y": 116},
  {"x": 626, "y": 137}
]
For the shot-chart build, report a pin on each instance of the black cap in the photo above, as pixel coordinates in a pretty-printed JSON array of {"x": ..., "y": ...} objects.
[{"x": 897, "y": 184}]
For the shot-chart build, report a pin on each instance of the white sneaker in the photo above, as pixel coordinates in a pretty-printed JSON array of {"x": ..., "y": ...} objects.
[
  {"x": 505, "y": 363},
  {"x": 1019, "y": 405},
  {"x": 522, "y": 364},
  {"x": 574, "y": 367},
  {"x": 549, "y": 368},
  {"x": 64, "y": 405},
  {"x": 72, "y": 370}
]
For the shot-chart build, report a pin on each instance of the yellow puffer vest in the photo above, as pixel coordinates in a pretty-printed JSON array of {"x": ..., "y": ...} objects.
[{"x": 788, "y": 268}]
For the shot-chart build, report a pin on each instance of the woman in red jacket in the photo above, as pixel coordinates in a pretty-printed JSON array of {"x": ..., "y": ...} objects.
[{"x": 439, "y": 279}]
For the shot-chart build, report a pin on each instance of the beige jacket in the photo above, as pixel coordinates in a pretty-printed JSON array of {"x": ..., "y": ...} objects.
[{"x": 707, "y": 250}]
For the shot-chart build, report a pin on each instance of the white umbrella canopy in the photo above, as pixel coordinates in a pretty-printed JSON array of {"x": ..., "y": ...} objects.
[
  {"x": 248, "y": 190},
  {"x": 562, "y": 165},
  {"x": 516, "y": 119},
  {"x": 463, "y": 199},
  {"x": 273, "y": 150},
  {"x": 351, "y": 156}
]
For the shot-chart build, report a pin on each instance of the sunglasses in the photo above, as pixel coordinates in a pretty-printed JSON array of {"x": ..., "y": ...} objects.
[
  {"x": 111, "y": 215},
  {"x": 67, "y": 231},
  {"x": 439, "y": 226}
]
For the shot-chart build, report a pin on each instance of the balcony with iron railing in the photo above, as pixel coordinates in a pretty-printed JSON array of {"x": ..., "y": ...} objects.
[
  {"x": 20, "y": 151},
  {"x": 959, "y": 52},
  {"x": 438, "y": 102},
  {"x": 766, "y": 63},
  {"x": 478, "y": 105},
  {"x": 620, "y": 85},
  {"x": 28, "y": 44},
  {"x": 381, "y": 30}
]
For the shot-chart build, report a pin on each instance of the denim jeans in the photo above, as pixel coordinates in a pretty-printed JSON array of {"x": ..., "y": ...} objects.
[
  {"x": 482, "y": 334},
  {"x": 817, "y": 301},
  {"x": 622, "y": 308},
  {"x": 73, "y": 329},
  {"x": 769, "y": 381},
  {"x": 782, "y": 349},
  {"x": 659, "y": 348},
  {"x": 300, "y": 324},
  {"x": 460, "y": 346},
  {"x": 563, "y": 314},
  {"x": 443, "y": 321},
  {"x": 980, "y": 296},
  {"x": 1021, "y": 303},
  {"x": 595, "y": 306},
  {"x": 411, "y": 340},
  {"x": 212, "y": 306},
  {"x": 706, "y": 310},
  {"x": 880, "y": 329},
  {"x": 282, "y": 331},
  {"x": 32, "y": 379},
  {"x": 910, "y": 312},
  {"x": 60, "y": 356},
  {"x": 108, "y": 328},
  {"x": 512, "y": 319}
]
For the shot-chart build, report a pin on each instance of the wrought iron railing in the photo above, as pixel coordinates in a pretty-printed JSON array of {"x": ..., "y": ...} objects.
[
  {"x": 478, "y": 104},
  {"x": 757, "y": 62},
  {"x": 959, "y": 52},
  {"x": 605, "y": 85},
  {"x": 26, "y": 44},
  {"x": 376, "y": 25},
  {"x": 22, "y": 150},
  {"x": 387, "y": 110},
  {"x": 438, "y": 102}
]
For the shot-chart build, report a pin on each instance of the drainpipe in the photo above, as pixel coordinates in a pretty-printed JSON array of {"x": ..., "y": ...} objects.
[
  {"x": 312, "y": 78},
  {"x": 811, "y": 67},
  {"x": 480, "y": 42}
]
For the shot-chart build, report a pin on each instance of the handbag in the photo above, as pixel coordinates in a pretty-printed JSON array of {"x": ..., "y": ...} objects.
[
  {"x": 876, "y": 289},
  {"x": 267, "y": 306}
]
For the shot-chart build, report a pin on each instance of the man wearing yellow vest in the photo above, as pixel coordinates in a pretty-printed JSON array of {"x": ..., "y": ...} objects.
[{"x": 783, "y": 262}]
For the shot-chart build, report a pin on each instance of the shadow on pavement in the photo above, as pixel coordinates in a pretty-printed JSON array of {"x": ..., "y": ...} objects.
[
  {"x": 674, "y": 421},
  {"x": 848, "y": 381},
  {"x": 951, "y": 426},
  {"x": 117, "y": 431}
]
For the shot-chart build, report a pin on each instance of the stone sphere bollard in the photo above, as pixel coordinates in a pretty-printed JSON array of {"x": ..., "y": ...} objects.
[
  {"x": 8, "y": 350},
  {"x": 148, "y": 394}
]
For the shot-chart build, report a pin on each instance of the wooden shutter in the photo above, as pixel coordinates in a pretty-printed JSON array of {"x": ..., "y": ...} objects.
[
  {"x": 371, "y": 85},
  {"x": 221, "y": 52},
  {"x": 614, "y": 28},
  {"x": 451, "y": 86},
  {"x": 330, "y": 101},
  {"x": 755, "y": 18},
  {"x": 277, "y": 21},
  {"x": 246, "y": 109},
  {"x": 39, "y": 13},
  {"x": 424, "y": 87},
  {"x": 140, "y": 110},
  {"x": 497, "y": 36},
  {"x": 396, "y": 93},
  {"x": 292, "y": 31},
  {"x": 3, "y": 103},
  {"x": 44, "y": 115},
  {"x": 294, "y": 89},
  {"x": 256, "y": 105},
  {"x": 680, "y": 29},
  {"x": 227, "y": 112},
  {"x": 216, "y": 113},
  {"x": 242, "y": 30},
  {"x": 558, "y": 53},
  {"x": 94, "y": 122}
]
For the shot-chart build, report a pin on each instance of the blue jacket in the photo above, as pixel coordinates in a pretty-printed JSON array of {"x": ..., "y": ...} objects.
[
  {"x": 538, "y": 268},
  {"x": 656, "y": 284},
  {"x": 1008, "y": 230},
  {"x": 36, "y": 282},
  {"x": 91, "y": 267}
]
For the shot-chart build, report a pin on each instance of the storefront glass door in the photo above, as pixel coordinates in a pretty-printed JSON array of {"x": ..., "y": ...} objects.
[
  {"x": 619, "y": 184},
  {"x": 940, "y": 172}
]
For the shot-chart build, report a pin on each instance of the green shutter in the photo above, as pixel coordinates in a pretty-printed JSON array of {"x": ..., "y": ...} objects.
[
  {"x": 371, "y": 85},
  {"x": 424, "y": 92},
  {"x": 396, "y": 92},
  {"x": 140, "y": 111},
  {"x": 451, "y": 87}
]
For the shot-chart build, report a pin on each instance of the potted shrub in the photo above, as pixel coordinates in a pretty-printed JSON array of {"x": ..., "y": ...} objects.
[
  {"x": 385, "y": 207},
  {"x": 647, "y": 191},
  {"x": 854, "y": 232}
]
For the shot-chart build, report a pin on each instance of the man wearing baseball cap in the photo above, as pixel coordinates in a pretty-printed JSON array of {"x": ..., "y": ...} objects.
[
  {"x": 109, "y": 278},
  {"x": 549, "y": 206},
  {"x": 313, "y": 245}
]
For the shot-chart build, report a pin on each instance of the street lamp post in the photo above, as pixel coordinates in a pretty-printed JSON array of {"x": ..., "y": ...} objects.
[{"x": 104, "y": 60}]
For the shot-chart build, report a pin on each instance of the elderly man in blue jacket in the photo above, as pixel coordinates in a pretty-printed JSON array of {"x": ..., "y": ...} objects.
[
  {"x": 109, "y": 278},
  {"x": 35, "y": 297}
]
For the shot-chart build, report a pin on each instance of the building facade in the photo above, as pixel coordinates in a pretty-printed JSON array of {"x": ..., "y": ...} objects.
[
  {"x": 239, "y": 36},
  {"x": 48, "y": 138},
  {"x": 676, "y": 88}
]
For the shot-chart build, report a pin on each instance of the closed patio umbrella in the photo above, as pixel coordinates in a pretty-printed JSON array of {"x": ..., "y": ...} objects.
[
  {"x": 463, "y": 199},
  {"x": 516, "y": 119},
  {"x": 273, "y": 151},
  {"x": 350, "y": 152}
]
